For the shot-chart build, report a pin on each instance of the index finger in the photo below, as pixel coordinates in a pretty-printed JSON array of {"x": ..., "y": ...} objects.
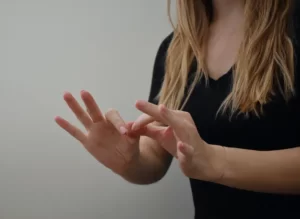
[
  {"x": 142, "y": 121},
  {"x": 151, "y": 114}
]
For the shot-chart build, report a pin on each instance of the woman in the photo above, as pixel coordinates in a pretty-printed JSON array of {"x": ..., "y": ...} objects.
[{"x": 226, "y": 81}]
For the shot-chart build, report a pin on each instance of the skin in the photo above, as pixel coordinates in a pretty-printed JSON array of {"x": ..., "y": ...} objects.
[
  {"x": 275, "y": 171},
  {"x": 138, "y": 159},
  {"x": 141, "y": 152}
]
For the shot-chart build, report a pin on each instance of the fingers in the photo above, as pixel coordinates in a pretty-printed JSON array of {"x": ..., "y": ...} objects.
[
  {"x": 185, "y": 152},
  {"x": 163, "y": 135},
  {"x": 169, "y": 116},
  {"x": 141, "y": 121},
  {"x": 154, "y": 131},
  {"x": 92, "y": 107},
  {"x": 94, "y": 114},
  {"x": 72, "y": 130},
  {"x": 178, "y": 120},
  {"x": 82, "y": 116},
  {"x": 170, "y": 141},
  {"x": 116, "y": 120},
  {"x": 179, "y": 124},
  {"x": 152, "y": 112}
]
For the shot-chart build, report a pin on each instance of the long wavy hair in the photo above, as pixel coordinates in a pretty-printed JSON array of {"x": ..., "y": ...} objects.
[{"x": 265, "y": 61}]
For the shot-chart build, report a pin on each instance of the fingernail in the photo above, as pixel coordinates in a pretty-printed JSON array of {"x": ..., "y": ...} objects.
[{"x": 123, "y": 130}]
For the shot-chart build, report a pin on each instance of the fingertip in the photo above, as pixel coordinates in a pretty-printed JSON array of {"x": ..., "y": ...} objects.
[
  {"x": 181, "y": 157},
  {"x": 123, "y": 130},
  {"x": 67, "y": 95},
  {"x": 181, "y": 146},
  {"x": 60, "y": 121},
  {"x": 84, "y": 93},
  {"x": 136, "y": 103},
  {"x": 139, "y": 103},
  {"x": 186, "y": 149},
  {"x": 56, "y": 119},
  {"x": 138, "y": 122}
]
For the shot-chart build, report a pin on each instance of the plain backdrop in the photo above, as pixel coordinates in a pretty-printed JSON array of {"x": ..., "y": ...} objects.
[{"x": 51, "y": 46}]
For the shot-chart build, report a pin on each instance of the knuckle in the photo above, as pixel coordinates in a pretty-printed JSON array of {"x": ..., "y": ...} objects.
[
  {"x": 188, "y": 117},
  {"x": 114, "y": 118},
  {"x": 184, "y": 113},
  {"x": 74, "y": 133},
  {"x": 187, "y": 114}
]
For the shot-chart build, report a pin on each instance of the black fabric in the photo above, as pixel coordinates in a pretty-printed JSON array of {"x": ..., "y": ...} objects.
[
  {"x": 159, "y": 69},
  {"x": 278, "y": 128}
]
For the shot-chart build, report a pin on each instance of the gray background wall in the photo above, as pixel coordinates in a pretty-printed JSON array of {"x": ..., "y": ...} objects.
[{"x": 46, "y": 48}]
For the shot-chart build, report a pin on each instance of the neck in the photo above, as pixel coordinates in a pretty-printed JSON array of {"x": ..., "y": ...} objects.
[{"x": 226, "y": 9}]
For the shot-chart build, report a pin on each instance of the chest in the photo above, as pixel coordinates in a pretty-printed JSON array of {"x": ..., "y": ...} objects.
[
  {"x": 278, "y": 127},
  {"x": 222, "y": 50}
]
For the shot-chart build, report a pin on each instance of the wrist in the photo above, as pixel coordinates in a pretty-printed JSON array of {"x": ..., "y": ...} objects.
[
  {"x": 217, "y": 162},
  {"x": 130, "y": 168}
]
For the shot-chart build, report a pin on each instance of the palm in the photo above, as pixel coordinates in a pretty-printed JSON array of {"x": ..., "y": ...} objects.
[
  {"x": 109, "y": 147},
  {"x": 104, "y": 140}
]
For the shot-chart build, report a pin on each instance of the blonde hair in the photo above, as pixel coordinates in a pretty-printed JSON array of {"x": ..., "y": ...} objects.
[{"x": 265, "y": 61}]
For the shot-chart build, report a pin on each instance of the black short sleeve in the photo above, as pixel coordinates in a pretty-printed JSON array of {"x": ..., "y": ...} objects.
[
  {"x": 159, "y": 69},
  {"x": 296, "y": 36}
]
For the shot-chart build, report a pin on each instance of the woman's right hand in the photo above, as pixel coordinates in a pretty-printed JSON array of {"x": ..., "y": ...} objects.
[{"x": 107, "y": 136}]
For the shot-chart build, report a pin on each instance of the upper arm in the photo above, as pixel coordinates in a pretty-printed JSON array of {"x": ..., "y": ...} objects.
[{"x": 147, "y": 143}]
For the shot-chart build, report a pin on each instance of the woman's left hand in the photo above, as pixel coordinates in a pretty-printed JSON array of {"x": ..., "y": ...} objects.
[{"x": 198, "y": 159}]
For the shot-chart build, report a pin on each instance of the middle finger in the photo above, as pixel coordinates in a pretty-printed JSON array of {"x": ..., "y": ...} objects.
[
  {"x": 77, "y": 110},
  {"x": 92, "y": 107}
]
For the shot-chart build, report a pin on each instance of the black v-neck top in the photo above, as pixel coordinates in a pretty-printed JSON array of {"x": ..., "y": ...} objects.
[{"x": 278, "y": 128}]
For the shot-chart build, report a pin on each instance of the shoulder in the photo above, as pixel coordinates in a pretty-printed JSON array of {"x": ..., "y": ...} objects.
[
  {"x": 167, "y": 40},
  {"x": 159, "y": 64},
  {"x": 159, "y": 68},
  {"x": 295, "y": 26},
  {"x": 163, "y": 47}
]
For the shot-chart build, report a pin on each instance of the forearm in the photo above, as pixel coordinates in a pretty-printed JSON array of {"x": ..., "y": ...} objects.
[
  {"x": 151, "y": 165},
  {"x": 262, "y": 171}
]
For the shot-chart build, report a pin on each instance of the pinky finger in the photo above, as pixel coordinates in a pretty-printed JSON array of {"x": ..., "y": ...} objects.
[
  {"x": 71, "y": 129},
  {"x": 185, "y": 152}
]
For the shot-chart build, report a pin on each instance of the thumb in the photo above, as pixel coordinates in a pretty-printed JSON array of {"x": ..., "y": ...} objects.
[
  {"x": 164, "y": 136},
  {"x": 152, "y": 131},
  {"x": 185, "y": 152}
]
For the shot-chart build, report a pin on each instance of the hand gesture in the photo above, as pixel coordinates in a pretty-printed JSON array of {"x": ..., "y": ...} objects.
[
  {"x": 106, "y": 137},
  {"x": 197, "y": 158}
]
